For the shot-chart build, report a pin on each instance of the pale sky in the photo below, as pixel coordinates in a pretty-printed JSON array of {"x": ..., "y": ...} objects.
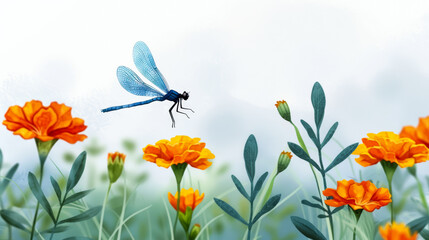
[{"x": 237, "y": 58}]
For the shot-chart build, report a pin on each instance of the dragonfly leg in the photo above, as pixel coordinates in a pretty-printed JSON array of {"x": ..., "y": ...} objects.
[
  {"x": 177, "y": 109},
  {"x": 181, "y": 107},
  {"x": 171, "y": 115}
]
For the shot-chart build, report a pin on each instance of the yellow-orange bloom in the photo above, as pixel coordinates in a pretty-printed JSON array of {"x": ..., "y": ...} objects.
[
  {"x": 188, "y": 198},
  {"x": 388, "y": 146},
  {"x": 45, "y": 123},
  {"x": 419, "y": 134},
  {"x": 364, "y": 195},
  {"x": 180, "y": 149},
  {"x": 396, "y": 232},
  {"x": 115, "y": 165}
]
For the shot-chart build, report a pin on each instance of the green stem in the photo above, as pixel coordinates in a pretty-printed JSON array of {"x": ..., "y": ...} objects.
[
  {"x": 33, "y": 227},
  {"x": 123, "y": 208},
  {"x": 177, "y": 206},
  {"x": 249, "y": 226},
  {"x": 357, "y": 213},
  {"x": 100, "y": 229},
  {"x": 58, "y": 214},
  {"x": 389, "y": 169}
]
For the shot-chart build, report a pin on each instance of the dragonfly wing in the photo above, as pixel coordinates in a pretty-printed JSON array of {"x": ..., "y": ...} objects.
[
  {"x": 133, "y": 83},
  {"x": 146, "y": 65}
]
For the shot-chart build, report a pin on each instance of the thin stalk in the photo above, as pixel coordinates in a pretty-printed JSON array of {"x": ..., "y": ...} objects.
[
  {"x": 392, "y": 215},
  {"x": 177, "y": 206},
  {"x": 319, "y": 150},
  {"x": 249, "y": 226},
  {"x": 58, "y": 214},
  {"x": 100, "y": 229},
  {"x": 123, "y": 209},
  {"x": 389, "y": 169},
  {"x": 33, "y": 227},
  {"x": 357, "y": 213}
]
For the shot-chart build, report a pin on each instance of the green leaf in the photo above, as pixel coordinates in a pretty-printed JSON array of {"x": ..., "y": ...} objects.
[
  {"x": 90, "y": 213},
  {"x": 14, "y": 219},
  {"x": 319, "y": 101},
  {"x": 418, "y": 224},
  {"x": 307, "y": 229},
  {"x": 322, "y": 216},
  {"x": 299, "y": 152},
  {"x": 317, "y": 199},
  {"x": 240, "y": 187},
  {"x": 425, "y": 234},
  {"x": 250, "y": 154},
  {"x": 186, "y": 218},
  {"x": 77, "y": 196},
  {"x": 76, "y": 171},
  {"x": 40, "y": 196},
  {"x": 313, "y": 205},
  {"x": 9, "y": 176},
  {"x": 57, "y": 188},
  {"x": 311, "y": 133},
  {"x": 330, "y": 134},
  {"x": 268, "y": 206},
  {"x": 57, "y": 229},
  {"x": 229, "y": 210},
  {"x": 259, "y": 184},
  {"x": 342, "y": 156},
  {"x": 337, "y": 209}
]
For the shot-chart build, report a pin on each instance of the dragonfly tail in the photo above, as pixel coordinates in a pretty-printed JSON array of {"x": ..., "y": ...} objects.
[{"x": 132, "y": 104}]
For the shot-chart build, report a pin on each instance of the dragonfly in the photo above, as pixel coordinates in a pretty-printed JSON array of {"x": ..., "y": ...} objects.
[{"x": 131, "y": 82}]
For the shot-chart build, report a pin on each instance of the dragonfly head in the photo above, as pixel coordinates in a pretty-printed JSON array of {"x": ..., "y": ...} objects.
[{"x": 185, "y": 95}]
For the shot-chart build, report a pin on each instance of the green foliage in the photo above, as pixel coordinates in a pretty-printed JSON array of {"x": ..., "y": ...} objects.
[
  {"x": 250, "y": 155},
  {"x": 307, "y": 229}
]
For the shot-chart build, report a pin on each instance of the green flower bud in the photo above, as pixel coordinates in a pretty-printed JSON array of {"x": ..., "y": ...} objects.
[
  {"x": 283, "y": 162},
  {"x": 115, "y": 164},
  {"x": 195, "y": 231},
  {"x": 283, "y": 109}
]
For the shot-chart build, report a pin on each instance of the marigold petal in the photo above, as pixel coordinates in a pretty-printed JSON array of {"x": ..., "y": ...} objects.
[
  {"x": 161, "y": 162},
  {"x": 70, "y": 138},
  {"x": 24, "y": 133},
  {"x": 31, "y": 108},
  {"x": 15, "y": 119},
  {"x": 43, "y": 120},
  {"x": 334, "y": 203}
]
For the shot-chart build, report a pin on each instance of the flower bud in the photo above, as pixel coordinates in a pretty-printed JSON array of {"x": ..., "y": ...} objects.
[
  {"x": 283, "y": 109},
  {"x": 195, "y": 231},
  {"x": 115, "y": 164},
  {"x": 283, "y": 162}
]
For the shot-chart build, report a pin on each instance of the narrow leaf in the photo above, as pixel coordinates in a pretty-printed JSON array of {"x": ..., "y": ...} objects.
[
  {"x": 1, "y": 159},
  {"x": 317, "y": 199},
  {"x": 299, "y": 152},
  {"x": 322, "y": 216},
  {"x": 76, "y": 171},
  {"x": 77, "y": 196},
  {"x": 229, "y": 210},
  {"x": 342, "y": 156},
  {"x": 57, "y": 229},
  {"x": 319, "y": 101},
  {"x": 307, "y": 229},
  {"x": 418, "y": 224},
  {"x": 9, "y": 176},
  {"x": 337, "y": 210},
  {"x": 259, "y": 184},
  {"x": 310, "y": 133},
  {"x": 40, "y": 196},
  {"x": 92, "y": 212},
  {"x": 425, "y": 234},
  {"x": 330, "y": 134},
  {"x": 57, "y": 188},
  {"x": 313, "y": 205},
  {"x": 250, "y": 154},
  {"x": 14, "y": 219},
  {"x": 268, "y": 206},
  {"x": 77, "y": 238},
  {"x": 240, "y": 187}
]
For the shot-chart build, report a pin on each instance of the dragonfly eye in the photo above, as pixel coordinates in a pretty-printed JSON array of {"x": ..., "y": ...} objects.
[{"x": 185, "y": 95}]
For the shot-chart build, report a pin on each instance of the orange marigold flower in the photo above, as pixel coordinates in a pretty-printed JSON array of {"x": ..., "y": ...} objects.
[
  {"x": 388, "y": 146},
  {"x": 364, "y": 195},
  {"x": 45, "y": 123},
  {"x": 419, "y": 134},
  {"x": 180, "y": 149},
  {"x": 396, "y": 232},
  {"x": 188, "y": 198}
]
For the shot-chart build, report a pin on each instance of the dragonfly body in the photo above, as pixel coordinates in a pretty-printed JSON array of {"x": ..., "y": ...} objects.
[{"x": 131, "y": 82}]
